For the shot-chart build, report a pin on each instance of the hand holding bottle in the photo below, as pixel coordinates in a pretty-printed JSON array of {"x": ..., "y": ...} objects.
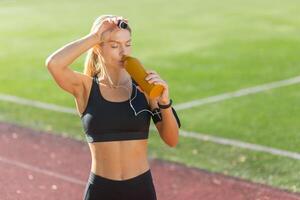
[{"x": 153, "y": 87}]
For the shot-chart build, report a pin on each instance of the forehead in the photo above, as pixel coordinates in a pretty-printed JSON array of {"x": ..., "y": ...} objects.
[{"x": 119, "y": 35}]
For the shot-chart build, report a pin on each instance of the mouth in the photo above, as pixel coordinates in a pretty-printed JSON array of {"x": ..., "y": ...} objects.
[
  {"x": 121, "y": 63},
  {"x": 124, "y": 58}
]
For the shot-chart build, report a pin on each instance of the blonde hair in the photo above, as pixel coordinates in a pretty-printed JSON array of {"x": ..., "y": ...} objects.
[{"x": 93, "y": 63}]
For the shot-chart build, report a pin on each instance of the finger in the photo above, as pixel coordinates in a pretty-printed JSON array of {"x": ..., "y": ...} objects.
[
  {"x": 151, "y": 76},
  {"x": 111, "y": 20},
  {"x": 151, "y": 72},
  {"x": 108, "y": 19},
  {"x": 161, "y": 83},
  {"x": 155, "y": 79},
  {"x": 105, "y": 21},
  {"x": 116, "y": 20},
  {"x": 158, "y": 81},
  {"x": 120, "y": 18}
]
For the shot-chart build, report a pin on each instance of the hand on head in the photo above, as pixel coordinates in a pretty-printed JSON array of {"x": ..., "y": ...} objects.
[{"x": 108, "y": 24}]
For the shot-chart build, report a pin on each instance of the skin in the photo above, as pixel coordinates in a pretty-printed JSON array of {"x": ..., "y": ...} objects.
[{"x": 116, "y": 160}]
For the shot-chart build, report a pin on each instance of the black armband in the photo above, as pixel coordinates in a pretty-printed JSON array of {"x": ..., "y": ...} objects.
[
  {"x": 177, "y": 119},
  {"x": 157, "y": 117}
]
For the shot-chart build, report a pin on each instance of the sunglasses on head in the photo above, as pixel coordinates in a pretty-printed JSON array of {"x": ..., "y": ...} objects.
[{"x": 122, "y": 24}]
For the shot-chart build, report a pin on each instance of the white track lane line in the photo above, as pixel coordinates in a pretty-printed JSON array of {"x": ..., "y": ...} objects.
[
  {"x": 42, "y": 171},
  {"x": 199, "y": 136},
  {"x": 37, "y": 104},
  {"x": 238, "y": 93},
  {"x": 237, "y": 143}
]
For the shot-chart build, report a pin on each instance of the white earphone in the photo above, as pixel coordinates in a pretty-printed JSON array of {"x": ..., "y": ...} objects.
[
  {"x": 130, "y": 100},
  {"x": 132, "y": 107}
]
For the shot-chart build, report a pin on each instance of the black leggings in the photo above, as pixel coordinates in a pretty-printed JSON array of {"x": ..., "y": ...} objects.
[{"x": 140, "y": 187}]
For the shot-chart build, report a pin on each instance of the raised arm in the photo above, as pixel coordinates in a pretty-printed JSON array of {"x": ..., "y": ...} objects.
[{"x": 59, "y": 61}]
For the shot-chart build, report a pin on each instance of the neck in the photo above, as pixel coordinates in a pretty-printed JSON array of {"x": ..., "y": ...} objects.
[{"x": 117, "y": 76}]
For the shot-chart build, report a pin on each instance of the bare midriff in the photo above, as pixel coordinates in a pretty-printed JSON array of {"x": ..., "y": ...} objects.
[{"x": 119, "y": 160}]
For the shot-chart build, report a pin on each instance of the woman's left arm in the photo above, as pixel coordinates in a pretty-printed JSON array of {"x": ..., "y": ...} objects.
[{"x": 168, "y": 128}]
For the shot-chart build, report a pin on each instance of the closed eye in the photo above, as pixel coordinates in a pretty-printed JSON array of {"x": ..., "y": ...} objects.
[{"x": 116, "y": 46}]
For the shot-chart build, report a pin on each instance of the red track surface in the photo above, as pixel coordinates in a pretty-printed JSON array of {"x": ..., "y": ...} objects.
[{"x": 43, "y": 166}]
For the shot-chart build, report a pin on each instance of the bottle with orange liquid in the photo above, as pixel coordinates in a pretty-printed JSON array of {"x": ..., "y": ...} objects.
[{"x": 136, "y": 70}]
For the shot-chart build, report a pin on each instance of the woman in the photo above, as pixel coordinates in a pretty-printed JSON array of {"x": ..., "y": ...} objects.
[{"x": 116, "y": 135}]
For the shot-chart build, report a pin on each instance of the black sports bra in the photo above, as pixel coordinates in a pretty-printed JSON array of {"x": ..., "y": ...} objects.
[{"x": 104, "y": 120}]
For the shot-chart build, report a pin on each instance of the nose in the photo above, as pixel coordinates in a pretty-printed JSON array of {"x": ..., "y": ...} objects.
[{"x": 123, "y": 51}]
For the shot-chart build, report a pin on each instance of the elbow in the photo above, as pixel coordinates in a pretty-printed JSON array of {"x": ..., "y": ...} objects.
[
  {"x": 49, "y": 62},
  {"x": 173, "y": 145},
  {"x": 170, "y": 137},
  {"x": 174, "y": 142}
]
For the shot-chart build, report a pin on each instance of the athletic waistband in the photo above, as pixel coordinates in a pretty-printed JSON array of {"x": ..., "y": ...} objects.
[{"x": 97, "y": 179}]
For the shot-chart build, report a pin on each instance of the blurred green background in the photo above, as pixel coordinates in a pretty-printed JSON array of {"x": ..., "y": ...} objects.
[{"x": 201, "y": 48}]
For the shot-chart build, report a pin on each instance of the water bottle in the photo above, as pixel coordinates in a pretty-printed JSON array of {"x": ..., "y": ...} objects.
[{"x": 136, "y": 70}]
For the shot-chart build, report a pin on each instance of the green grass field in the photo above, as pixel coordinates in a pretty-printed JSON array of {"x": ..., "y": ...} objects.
[{"x": 200, "y": 48}]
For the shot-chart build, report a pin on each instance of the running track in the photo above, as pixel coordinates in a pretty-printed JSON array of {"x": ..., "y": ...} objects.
[{"x": 44, "y": 166}]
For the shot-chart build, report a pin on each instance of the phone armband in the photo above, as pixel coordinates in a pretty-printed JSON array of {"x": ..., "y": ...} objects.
[
  {"x": 177, "y": 118},
  {"x": 157, "y": 117}
]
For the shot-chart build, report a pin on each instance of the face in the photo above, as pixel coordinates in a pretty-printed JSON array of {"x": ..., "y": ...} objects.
[{"x": 117, "y": 42}]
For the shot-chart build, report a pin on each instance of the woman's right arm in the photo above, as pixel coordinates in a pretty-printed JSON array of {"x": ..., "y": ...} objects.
[{"x": 58, "y": 63}]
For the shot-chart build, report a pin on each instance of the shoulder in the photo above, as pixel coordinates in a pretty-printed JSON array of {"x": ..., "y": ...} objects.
[
  {"x": 86, "y": 82},
  {"x": 85, "y": 78},
  {"x": 81, "y": 76}
]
